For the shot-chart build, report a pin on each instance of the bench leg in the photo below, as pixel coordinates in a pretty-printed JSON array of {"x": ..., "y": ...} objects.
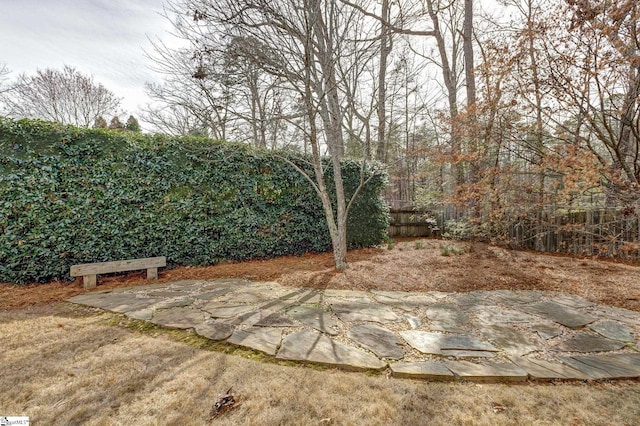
[
  {"x": 152, "y": 273},
  {"x": 89, "y": 281}
]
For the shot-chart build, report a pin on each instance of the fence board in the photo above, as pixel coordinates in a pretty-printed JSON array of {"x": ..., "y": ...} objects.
[
  {"x": 410, "y": 223},
  {"x": 608, "y": 232}
]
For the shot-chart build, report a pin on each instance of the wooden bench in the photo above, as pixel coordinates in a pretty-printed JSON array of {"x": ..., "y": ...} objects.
[{"x": 88, "y": 271}]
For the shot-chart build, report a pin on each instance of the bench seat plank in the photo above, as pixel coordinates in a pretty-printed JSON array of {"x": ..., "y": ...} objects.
[{"x": 118, "y": 266}]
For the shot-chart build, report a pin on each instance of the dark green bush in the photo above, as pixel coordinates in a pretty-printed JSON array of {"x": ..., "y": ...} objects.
[{"x": 71, "y": 195}]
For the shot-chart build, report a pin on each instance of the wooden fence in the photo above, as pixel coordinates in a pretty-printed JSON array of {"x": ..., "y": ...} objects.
[
  {"x": 411, "y": 223},
  {"x": 596, "y": 232}
]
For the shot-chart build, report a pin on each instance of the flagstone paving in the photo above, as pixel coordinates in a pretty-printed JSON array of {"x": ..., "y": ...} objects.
[{"x": 497, "y": 335}]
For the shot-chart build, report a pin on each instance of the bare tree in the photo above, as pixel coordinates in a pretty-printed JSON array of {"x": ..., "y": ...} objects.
[
  {"x": 449, "y": 57},
  {"x": 189, "y": 101},
  {"x": 65, "y": 96},
  {"x": 595, "y": 81},
  {"x": 216, "y": 86},
  {"x": 385, "y": 50},
  {"x": 4, "y": 72},
  {"x": 469, "y": 64},
  {"x": 310, "y": 51},
  {"x": 4, "y": 88}
]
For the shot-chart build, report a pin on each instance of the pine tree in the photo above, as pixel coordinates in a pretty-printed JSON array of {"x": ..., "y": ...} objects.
[{"x": 132, "y": 124}]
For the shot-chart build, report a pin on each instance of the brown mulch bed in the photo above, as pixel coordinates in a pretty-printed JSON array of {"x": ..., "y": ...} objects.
[{"x": 411, "y": 265}]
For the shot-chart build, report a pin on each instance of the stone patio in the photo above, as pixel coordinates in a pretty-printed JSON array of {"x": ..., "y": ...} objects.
[{"x": 481, "y": 336}]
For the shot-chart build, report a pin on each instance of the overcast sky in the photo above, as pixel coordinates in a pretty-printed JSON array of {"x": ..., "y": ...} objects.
[{"x": 104, "y": 38}]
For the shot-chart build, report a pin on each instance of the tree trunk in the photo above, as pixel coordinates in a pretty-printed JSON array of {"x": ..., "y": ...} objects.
[
  {"x": 470, "y": 84},
  {"x": 385, "y": 50},
  {"x": 538, "y": 95},
  {"x": 469, "y": 65},
  {"x": 449, "y": 77},
  {"x": 331, "y": 113}
]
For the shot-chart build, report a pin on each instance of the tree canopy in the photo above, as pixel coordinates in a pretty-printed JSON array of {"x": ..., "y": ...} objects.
[{"x": 65, "y": 96}]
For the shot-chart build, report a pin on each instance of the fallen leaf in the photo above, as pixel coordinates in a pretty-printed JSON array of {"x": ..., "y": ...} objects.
[
  {"x": 498, "y": 408},
  {"x": 224, "y": 403}
]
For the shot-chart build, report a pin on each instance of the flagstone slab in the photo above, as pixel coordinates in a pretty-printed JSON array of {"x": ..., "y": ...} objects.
[
  {"x": 489, "y": 371},
  {"x": 426, "y": 299},
  {"x": 589, "y": 370},
  {"x": 562, "y": 368},
  {"x": 561, "y": 314},
  {"x": 139, "y": 288},
  {"x": 182, "y": 318},
  {"x": 276, "y": 305},
  {"x": 358, "y": 311},
  {"x": 165, "y": 293},
  {"x": 215, "y": 330},
  {"x": 178, "y": 302},
  {"x": 312, "y": 346},
  {"x": 430, "y": 370},
  {"x": 457, "y": 353},
  {"x": 434, "y": 343},
  {"x": 94, "y": 299},
  {"x": 413, "y": 320},
  {"x": 296, "y": 296},
  {"x": 509, "y": 339},
  {"x": 264, "y": 319},
  {"x": 343, "y": 295},
  {"x": 396, "y": 303},
  {"x": 546, "y": 331},
  {"x": 117, "y": 302},
  {"x": 226, "y": 310},
  {"x": 613, "y": 330},
  {"x": 465, "y": 343},
  {"x": 445, "y": 326},
  {"x": 619, "y": 314},
  {"x": 229, "y": 282},
  {"x": 177, "y": 284},
  {"x": 472, "y": 299},
  {"x": 142, "y": 314},
  {"x": 406, "y": 300},
  {"x": 330, "y": 296},
  {"x": 616, "y": 368},
  {"x": 127, "y": 304},
  {"x": 423, "y": 341},
  {"x": 292, "y": 294},
  {"x": 632, "y": 358},
  {"x": 572, "y": 300},
  {"x": 310, "y": 297},
  {"x": 500, "y": 315},
  {"x": 536, "y": 371},
  {"x": 447, "y": 318},
  {"x": 315, "y": 317},
  {"x": 510, "y": 297},
  {"x": 585, "y": 342},
  {"x": 243, "y": 296},
  {"x": 397, "y": 295},
  {"x": 263, "y": 339},
  {"x": 381, "y": 341},
  {"x": 539, "y": 369},
  {"x": 209, "y": 295}
]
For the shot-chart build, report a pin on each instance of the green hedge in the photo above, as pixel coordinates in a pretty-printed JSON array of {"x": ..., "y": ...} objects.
[{"x": 70, "y": 195}]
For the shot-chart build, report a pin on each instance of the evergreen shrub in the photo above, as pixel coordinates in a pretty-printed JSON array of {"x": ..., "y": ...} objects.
[{"x": 71, "y": 195}]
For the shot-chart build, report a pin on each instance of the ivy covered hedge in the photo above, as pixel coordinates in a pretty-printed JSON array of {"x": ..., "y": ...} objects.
[{"x": 70, "y": 195}]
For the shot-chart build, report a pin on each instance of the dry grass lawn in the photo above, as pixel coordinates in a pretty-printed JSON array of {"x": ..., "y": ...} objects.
[{"x": 63, "y": 364}]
